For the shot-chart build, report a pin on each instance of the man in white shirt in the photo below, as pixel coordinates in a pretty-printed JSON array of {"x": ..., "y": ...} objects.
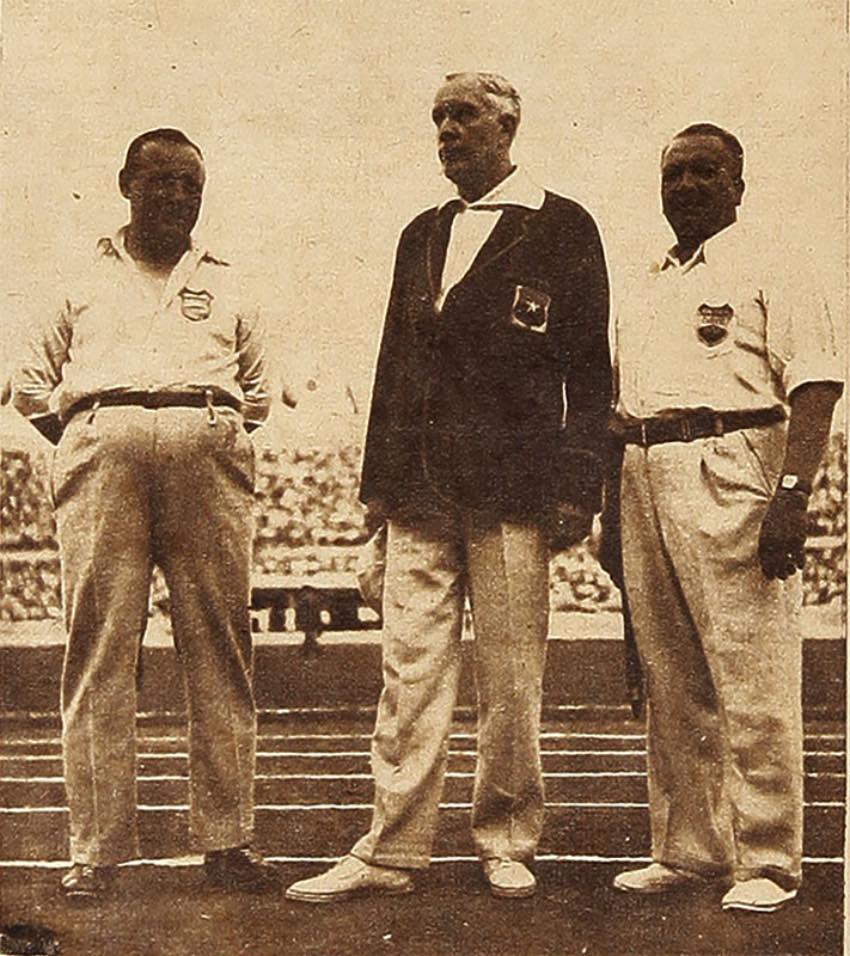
[
  {"x": 727, "y": 374},
  {"x": 147, "y": 379},
  {"x": 484, "y": 449}
]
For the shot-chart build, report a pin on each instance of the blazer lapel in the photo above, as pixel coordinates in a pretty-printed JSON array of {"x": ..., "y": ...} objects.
[
  {"x": 509, "y": 231},
  {"x": 437, "y": 243},
  {"x": 512, "y": 228}
]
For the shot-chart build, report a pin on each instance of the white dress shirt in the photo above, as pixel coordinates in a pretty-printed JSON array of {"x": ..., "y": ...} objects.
[{"x": 475, "y": 221}]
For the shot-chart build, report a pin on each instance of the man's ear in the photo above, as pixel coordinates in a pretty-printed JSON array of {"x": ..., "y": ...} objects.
[
  {"x": 124, "y": 183},
  {"x": 741, "y": 185},
  {"x": 508, "y": 124}
]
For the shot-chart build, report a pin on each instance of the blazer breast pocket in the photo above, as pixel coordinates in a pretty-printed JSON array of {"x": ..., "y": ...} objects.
[{"x": 530, "y": 309}]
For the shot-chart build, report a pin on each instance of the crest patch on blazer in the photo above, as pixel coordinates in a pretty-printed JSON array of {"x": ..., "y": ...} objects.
[
  {"x": 195, "y": 304},
  {"x": 530, "y": 309},
  {"x": 714, "y": 322}
]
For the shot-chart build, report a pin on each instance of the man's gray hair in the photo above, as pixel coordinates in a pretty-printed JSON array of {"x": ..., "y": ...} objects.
[{"x": 500, "y": 92}]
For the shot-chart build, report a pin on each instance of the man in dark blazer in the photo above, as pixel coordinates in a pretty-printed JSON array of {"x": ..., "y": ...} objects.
[{"x": 484, "y": 450}]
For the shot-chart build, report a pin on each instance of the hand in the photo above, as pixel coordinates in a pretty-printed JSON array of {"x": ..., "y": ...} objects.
[
  {"x": 610, "y": 551},
  {"x": 783, "y": 534},
  {"x": 376, "y": 515},
  {"x": 568, "y": 525}
]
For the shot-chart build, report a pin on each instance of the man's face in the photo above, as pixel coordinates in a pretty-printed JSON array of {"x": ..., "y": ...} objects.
[
  {"x": 164, "y": 189},
  {"x": 700, "y": 187},
  {"x": 473, "y": 141}
]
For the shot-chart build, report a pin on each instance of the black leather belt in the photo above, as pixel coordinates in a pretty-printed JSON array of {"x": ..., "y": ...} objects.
[
  {"x": 687, "y": 426},
  {"x": 155, "y": 400}
]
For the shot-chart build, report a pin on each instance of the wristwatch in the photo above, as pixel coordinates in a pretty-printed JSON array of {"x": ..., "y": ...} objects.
[{"x": 794, "y": 483}]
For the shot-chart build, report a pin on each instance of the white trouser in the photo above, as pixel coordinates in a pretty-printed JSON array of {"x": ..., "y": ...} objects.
[
  {"x": 432, "y": 563},
  {"x": 722, "y": 650}
]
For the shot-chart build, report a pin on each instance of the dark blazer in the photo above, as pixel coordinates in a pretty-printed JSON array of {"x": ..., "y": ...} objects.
[{"x": 469, "y": 404}]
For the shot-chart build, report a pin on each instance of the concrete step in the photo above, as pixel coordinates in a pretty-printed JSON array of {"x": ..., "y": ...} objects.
[
  {"x": 314, "y": 790},
  {"x": 606, "y": 832},
  {"x": 625, "y": 786},
  {"x": 584, "y": 667},
  {"x": 278, "y": 767}
]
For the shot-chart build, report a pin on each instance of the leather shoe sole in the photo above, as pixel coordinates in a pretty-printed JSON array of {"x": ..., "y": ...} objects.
[
  {"x": 349, "y": 878},
  {"x": 305, "y": 896},
  {"x": 509, "y": 879},
  {"x": 758, "y": 895}
]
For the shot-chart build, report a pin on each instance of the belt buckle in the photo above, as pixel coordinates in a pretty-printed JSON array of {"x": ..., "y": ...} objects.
[
  {"x": 643, "y": 441},
  {"x": 685, "y": 430}
]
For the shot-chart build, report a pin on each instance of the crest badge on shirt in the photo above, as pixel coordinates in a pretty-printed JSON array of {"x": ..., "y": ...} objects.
[
  {"x": 530, "y": 310},
  {"x": 713, "y": 323},
  {"x": 194, "y": 304}
]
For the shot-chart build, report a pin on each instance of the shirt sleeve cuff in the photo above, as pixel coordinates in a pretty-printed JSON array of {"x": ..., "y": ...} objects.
[{"x": 801, "y": 372}]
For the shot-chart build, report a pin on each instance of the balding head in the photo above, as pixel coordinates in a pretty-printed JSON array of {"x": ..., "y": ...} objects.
[
  {"x": 501, "y": 94},
  {"x": 730, "y": 142},
  {"x": 476, "y": 115},
  {"x": 701, "y": 184}
]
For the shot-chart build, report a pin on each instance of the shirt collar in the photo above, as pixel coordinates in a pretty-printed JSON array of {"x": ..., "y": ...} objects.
[
  {"x": 516, "y": 189},
  {"x": 115, "y": 246},
  {"x": 720, "y": 240}
]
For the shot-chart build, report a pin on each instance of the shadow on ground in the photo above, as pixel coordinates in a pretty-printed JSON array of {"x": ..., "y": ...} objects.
[{"x": 159, "y": 911}]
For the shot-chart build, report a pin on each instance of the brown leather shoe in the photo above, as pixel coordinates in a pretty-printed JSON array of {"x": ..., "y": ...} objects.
[
  {"x": 240, "y": 868},
  {"x": 84, "y": 882}
]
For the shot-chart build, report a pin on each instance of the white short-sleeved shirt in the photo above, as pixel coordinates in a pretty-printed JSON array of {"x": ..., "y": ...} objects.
[
  {"x": 729, "y": 330},
  {"x": 123, "y": 331}
]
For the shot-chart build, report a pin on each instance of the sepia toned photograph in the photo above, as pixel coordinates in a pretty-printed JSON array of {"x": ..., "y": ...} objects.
[{"x": 423, "y": 478}]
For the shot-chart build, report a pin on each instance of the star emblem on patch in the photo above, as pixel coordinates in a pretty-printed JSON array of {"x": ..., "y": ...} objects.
[{"x": 530, "y": 309}]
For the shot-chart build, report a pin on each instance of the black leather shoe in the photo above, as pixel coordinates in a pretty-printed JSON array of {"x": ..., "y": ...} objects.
[
  {"x": 28, "y": 939},
  {"x": 84, "y": 882},
  {"x": 240, "y": 868}
]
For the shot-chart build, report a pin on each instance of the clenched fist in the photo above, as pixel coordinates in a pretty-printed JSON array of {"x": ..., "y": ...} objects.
[
  {"x": 568, "y": 525},
  {"x": 783, "y": 534}
]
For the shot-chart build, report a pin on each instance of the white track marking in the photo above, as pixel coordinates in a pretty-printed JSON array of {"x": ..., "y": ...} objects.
[
  {"x": 195, "y": 861},
  {"x": 347, "y": 807}
]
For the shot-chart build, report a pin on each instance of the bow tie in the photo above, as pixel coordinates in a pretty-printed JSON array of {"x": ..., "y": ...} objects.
[{"x": 454, "y": 206}]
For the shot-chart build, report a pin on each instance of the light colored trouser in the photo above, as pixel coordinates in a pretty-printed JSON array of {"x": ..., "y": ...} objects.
[
  {"x": 132, "y": 486},
  {"x": 431, "y": 562},
  {"x": 722, "y": 651}
]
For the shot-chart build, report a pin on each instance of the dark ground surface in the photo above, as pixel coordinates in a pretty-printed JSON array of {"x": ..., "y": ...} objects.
[{"x": 167, "y": 911}]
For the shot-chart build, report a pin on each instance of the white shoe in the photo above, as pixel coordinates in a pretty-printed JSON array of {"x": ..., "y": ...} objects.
[
  {"x": 509, "y": 879},
  {"x": 655, "y": 878},
  {"x": 351, "y": 877},
  {"x": 759, "y": 895}
]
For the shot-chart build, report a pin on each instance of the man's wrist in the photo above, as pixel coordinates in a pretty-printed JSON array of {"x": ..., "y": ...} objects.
[{"x": 794, "y": 483}]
